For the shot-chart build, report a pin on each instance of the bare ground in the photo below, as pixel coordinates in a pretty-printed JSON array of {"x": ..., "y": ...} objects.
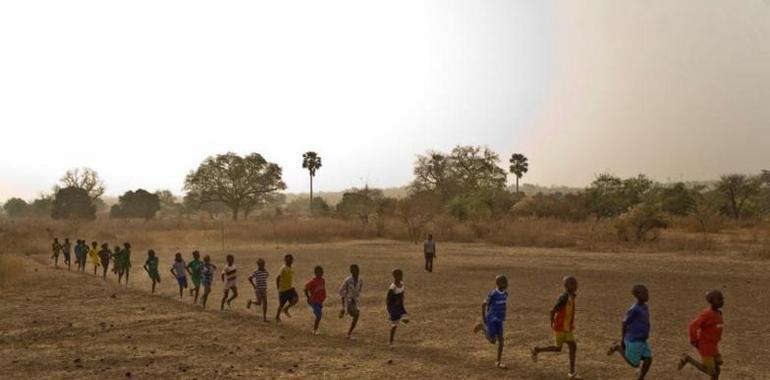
[{"x": 60, "y": 324}]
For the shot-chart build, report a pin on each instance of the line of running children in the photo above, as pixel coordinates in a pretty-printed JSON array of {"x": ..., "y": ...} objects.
[
  {"x": 120, "y": 257},
  {"x": 705, "y": 332}
]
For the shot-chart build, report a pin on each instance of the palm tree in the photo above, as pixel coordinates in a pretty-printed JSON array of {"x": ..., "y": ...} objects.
[
  {"x": 312, "y": 162},
  {"x": 519, "y": 166}
]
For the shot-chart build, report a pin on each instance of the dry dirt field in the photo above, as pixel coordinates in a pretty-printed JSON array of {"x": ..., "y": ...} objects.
[{"x": 60, "y": 324}]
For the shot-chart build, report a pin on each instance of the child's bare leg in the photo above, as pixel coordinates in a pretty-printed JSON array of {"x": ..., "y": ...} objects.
[
  {"x": 197, "y": 290},
  {"x": 224, "y": 299},
  {"x": 646, "y": 363},
  {"x": 280, "y": 309},
  {"x": 292, "y": 302},
  {"x": 126, "y": 277},
  {"x": 572, "y": 355},
  {"x": 317, "y": 322},
  {"x": 538, "y": 350},
  {"x": 353, "y": 324},
  {"x": 264, "y": 309},
  {"x": 205, "y": 297},
  {"x": 181, "y": 292},
  {"x": 500, "y": 345},
  {"x": 235, "y": 294}
]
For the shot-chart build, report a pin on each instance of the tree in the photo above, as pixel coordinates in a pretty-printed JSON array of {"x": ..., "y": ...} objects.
[
  {"x": 192, "y": 204},
  {"x": 604, "y": 198},
  {"x": 433, "y": 172},
  {"x": 241, "y": 183},
  {"x": 737, "y": 190},
  {"x": 73, "y": 203},
  {"x": 312, "y": 162},
  {"x": 16, "y": 207},
  {"x": 136, "y": 204},
  {"x": 417, "y": 209},
  {"x": 475, "y": 167},
  {"x": 82, "y": 178},
  {"x": 519, "y": 167},
  {"x": 677, "y": 199},
  {"x": 361, "y": 203},
  {"x": 169, "y": 206},
  {"x": 42, "y": 206}
]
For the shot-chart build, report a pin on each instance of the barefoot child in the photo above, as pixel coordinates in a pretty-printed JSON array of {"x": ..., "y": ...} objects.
[
  {"x": 705, "y": 333},
  {"x": 394, "y": 302},
  {"x": 350, "y": 291},
  {"x": 194, "y": 269},
  {"x": 493, "y": 316},
  {"x": 124, "y": 262},
  {"x": 151, "y": 267},
  {"x": 93, "y": 254},
  {"x": 179, "y": 270},
  {"x": 229, "y": 278},
  {"x": 81, "y": 249},
  {"x": 115, "y": 256},
  {"x": 286, "y": 292},
  {"x": 633, "y": 346},
  {"x": 258, "y": 280},
  {"x": 315, "y": 291},
  {"x": 104, "y": 258},
  {"x": 207, "y": 278},
  {"x": 563, "y": 325},
  {"x": 56, "y": 248},
  {"x": 66, "y": 249}
]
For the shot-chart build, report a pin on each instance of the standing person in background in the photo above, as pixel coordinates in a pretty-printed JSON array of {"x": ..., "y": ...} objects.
[
  {"x": 104, "y": 258},
  {"x": 66, "y": 249},
  {"x": 194, "y": 269},
  {"x": 229, "y": 278},
  {"x": 207, "y": 278},
  {"x": 429, "y": 249},
  {"x": 93, "y": 254},
  {"x": 56, "y": 248},
  {"x": 350, "y": 291}
]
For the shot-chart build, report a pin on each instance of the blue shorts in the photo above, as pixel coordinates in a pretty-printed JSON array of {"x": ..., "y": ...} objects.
[
  {"x": 182, "y": 281},
  {"x": 318, "y": 309},
  {"x": 494, "y": 327},
  {"x": 636, "y": 351}
]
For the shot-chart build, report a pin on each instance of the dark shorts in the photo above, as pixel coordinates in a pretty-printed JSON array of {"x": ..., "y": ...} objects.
[
  {"x": 494, "y": 327},
  {"x": 182, "y": 281},
  {"x": 196, "y": 281},
  {"x": 287, "y": 295},
  {"x": 352, "y": 307},
  {"x": 317, "y": 309}
]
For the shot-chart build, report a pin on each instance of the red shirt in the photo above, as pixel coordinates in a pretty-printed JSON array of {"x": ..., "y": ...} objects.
[
  {"x": 317, "y": 289},
  {"x": 706, "y": 332}
]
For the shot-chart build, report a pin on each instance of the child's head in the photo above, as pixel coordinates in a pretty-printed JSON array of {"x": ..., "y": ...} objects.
[
  {"x": 94, "y": 244},
  {"x": 178, "y": 257},
  {"x": 715, "y": 299},
  {"x": 151, "y": 253},
  {"x": 117, "y": 248},
  {"x": 288, "y": 260},
  {"x": 206, "y": 259},
  {"x": 501, "y": 281},
  {"x": 641, "y": 293},
  {"x": 571, "y": 284},
  {"x": 105, "y": 246},
  {"x": 56, "y": 240},
  {"x": 66, "y": 240},
  {"x": 196, "y": 255},
  {"x": 127, "y": 245},
  {"x": 319, "y": 271},
  {"x": 430, "y": 236},
  {"x": 398, "y": 275},
  {"x": 230, "y": 259},
  {"x": 354, "y": 270},
  {"x": 261, "y": 264}
]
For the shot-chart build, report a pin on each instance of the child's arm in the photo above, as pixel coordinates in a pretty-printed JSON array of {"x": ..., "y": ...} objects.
[
  {"x": 694, "y": 330},
  {"x": 278, "y": 281},
  {"x": 484, "y": 312},
  {"x": 389, "y": 299},
  {"x": 252, "y": 282},
  {"x": 146, "y": 269},
  {"x": 172, "y": 271},
  {"x": 187, "y": 268},
  {"x": 307, "y": 294}
]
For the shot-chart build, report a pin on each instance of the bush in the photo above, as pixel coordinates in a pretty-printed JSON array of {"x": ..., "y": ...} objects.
[{"x": 641, "y": 223}]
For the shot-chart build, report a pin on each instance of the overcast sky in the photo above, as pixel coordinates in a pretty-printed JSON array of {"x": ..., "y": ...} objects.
[{"x": 143, "y": 91}]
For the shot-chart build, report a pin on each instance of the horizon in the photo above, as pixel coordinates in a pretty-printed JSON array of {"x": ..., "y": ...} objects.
[{"x": 621, "y": 88}]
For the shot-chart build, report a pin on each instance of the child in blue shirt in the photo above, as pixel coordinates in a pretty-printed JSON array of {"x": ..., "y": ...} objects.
[
  {"x": 493, "y": 315},
  {"x": 634, "y": 333}
]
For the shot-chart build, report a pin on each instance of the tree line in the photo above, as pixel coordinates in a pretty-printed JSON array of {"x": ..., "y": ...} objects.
[{"x": 468, "y": 184}]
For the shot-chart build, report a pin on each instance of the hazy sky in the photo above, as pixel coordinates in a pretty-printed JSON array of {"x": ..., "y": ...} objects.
[{"x": 142, "y": 91}]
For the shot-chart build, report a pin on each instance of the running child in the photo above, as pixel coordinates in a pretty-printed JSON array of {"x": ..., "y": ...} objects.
[
  {"x": 207, "y": 278},
  {"x": 151, "y": 267},
  {"x": 179, "y": 270},
  {"x": 115, "y": 256},
  {"x": 229, "y": 278},
  {"x": 124, "y": 262},
  {"x": 93, "y": 254},
  {"x": 66, "y": 248},
  {"x": 705, "y": 333},
  {"x": 563, "y": 325},
  {"x": 286, "y": 292},
  {"x": 394, "y": 302},
  {"x": 104, "y": 258},
  {"x": 56, "y": 247},
  {"x": 194, "y": 269},
  {"x": 81, "y": 249},
  {"x": 350, "y": 291},
  {"x": 258, "y": 281},
  {"x": 493, "y": 316},
  {"x": 315, "y": 291},
  {"x": 633, "y": 346}
]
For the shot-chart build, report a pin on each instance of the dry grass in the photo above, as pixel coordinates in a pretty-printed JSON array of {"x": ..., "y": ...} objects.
[{"x": 10, "y": 269}]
